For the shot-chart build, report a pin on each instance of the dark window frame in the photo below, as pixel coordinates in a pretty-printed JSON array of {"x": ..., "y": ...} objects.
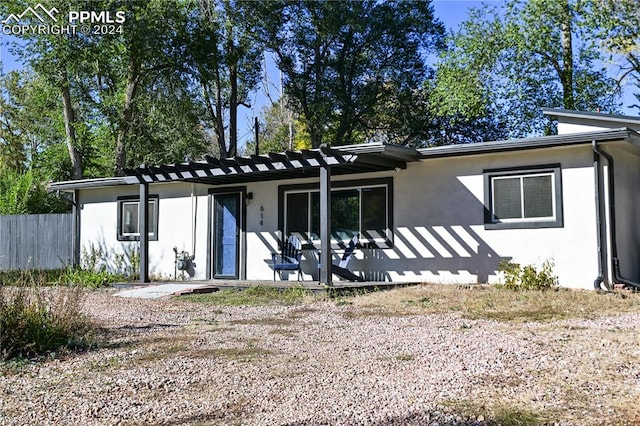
[
  {"x": 153, "y": 235},
  {"x": 491, "y": 223},
  {"x": 338, "y": 185}
]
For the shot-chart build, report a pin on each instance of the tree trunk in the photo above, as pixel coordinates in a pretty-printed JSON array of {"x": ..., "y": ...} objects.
[
  {"x": 69, "y": 120},
  {"x": 213, "y": 116},
  {"x": 567, "y": 57},
  {"x": 233, "y": 111},
  {"x": 133, "y": 75},
  {"x": 219, "y": 121}
]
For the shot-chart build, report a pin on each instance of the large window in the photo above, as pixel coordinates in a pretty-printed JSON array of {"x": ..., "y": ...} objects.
[
  {"x": 129, "y": 221},
  {"x": 357, "y": 208},
  {"x": 530, "y": 198}
]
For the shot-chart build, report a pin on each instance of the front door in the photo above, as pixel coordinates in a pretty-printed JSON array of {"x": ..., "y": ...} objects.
[{"x": 226, "y": 234}]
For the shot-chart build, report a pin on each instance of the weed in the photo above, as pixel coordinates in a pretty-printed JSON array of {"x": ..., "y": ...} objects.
[
  {"x": 263, "y": 321},
  {"x": 501, "y": 414},
  {"x": 528, "y": 277},
  {"x": 86, "y": 278},
  {"x": 35, "y": 321},
  {"x": 405, "y": 357}
]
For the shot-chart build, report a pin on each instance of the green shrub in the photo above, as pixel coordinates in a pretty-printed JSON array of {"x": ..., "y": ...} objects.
[
  {"x": 67, "y": 276},
  {"x": 35, "y": 321},
  {"x": 86, "y": 278},
  {"x": 528, "y": 277},
  {"x": 26, "y": 193}
]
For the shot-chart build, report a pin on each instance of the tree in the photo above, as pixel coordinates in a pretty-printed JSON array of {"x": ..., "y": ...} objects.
[
  {"x": 55, "y": 57},
  {"x": 32, "y": 132},
  {"x": 224, "y": 62},
  {"x": 123, "y": 97},
  {"x": 25, "y": 193},
  {"x": 615, "y": 27},
  {"x": 279, "y": 130},
  {"x": 341, "y": 59},
  {"x": 509, "y": 64},
  {"x": 144, "y": 56}
]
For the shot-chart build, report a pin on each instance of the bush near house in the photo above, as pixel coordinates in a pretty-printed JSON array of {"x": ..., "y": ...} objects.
[{"x": 528, "y": 277}]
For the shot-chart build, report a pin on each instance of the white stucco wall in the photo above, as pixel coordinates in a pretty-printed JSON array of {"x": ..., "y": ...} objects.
[
  {"x": 99, "y": 221},
  {"x": 627, "y": 207},
  {"x": 442, "y": 230},
  {"x": 569, "y": 128},
  {"x": 569, "y": 125},
  {"x": 439, "y": 233}
]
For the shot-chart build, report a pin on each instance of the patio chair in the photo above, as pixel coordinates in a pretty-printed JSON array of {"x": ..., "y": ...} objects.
[
  {"x": 289, "y": 259},
  {"x": 341, "y": 268}
]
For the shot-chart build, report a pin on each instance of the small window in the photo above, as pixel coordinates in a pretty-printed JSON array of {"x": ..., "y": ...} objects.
[
  {"x": 523, "y": 198},
  {"x": 129, "y": 221}
]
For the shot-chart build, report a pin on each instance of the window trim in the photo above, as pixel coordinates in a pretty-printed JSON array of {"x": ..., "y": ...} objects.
[
  {"x": 153, "y": 235},
  {"x": 557, "y": 221},
  {"x": 342, "y": 185}
]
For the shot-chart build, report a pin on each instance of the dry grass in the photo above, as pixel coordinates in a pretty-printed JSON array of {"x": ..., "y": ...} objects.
[
  {"x": 499, "y": 414},
  {"x": 36, "y": 321},
  {"x": 493, "y": 303}
]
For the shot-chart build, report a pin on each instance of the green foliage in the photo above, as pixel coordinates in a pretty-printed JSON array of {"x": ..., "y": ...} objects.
[
  {"x": 35, "y": 321},
  {"x": 67, "y": 276},
  {"x": 86, "y": 278},
  {"x": 93, "y": 272},
  {"x": 253, "y": 296},
  {"x": 528, "y": 277},
  {"x": 24, "y": 193},
  {"x": 509, "y": 63},
  {"x": 341, "y": 60},
  {"x": 614, "y": 25}
]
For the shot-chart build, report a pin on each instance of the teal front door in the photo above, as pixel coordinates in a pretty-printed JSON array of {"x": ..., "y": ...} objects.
[{"x": 226, "y": 235}]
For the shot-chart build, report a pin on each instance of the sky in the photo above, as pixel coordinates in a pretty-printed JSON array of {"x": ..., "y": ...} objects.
[{"x": 450, "y": 12}]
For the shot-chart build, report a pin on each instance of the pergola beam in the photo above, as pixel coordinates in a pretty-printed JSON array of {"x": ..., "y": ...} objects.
[
  {"x": 143, "y": 220},
  {"x": 325, "y": 226}
]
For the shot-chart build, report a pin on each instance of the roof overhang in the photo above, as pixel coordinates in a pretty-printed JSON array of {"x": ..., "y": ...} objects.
[
  {"x": 72, "y": 185},
  {"x": 617, "y": 120},
  {"x": 622, "y": 134}
]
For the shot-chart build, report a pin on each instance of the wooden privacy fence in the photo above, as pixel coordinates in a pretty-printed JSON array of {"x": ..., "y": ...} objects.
[{"x": 36, "y": 241}]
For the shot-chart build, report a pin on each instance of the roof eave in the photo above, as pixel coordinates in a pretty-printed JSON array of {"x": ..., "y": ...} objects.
[
  {"x": 585, "y": 115},
  {"x": 72, "y": 185},
  {"x": 529, "y": 143}
]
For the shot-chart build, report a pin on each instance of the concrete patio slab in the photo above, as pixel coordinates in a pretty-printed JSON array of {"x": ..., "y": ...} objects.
[{"x": 162, "y": 290}]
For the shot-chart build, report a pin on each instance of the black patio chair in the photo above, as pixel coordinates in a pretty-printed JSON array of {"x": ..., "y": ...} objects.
[{"x": 289, "y": 258}]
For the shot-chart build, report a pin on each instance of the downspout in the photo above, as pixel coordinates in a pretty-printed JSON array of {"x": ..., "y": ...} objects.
[
  {"x": 194, "y": 213},
  {"x": 617, "y": 276},
  {"x": 597, "y": 283}
]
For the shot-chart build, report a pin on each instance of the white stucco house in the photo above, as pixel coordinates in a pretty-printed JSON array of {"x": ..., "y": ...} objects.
[{"x": 445, "y": 214}]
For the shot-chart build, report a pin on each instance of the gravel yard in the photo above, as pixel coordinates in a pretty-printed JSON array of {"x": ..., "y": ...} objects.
[{"x": 173, "y": 362}]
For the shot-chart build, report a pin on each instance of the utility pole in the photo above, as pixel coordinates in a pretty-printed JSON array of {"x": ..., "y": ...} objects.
[{"x": 257, "y": 127}]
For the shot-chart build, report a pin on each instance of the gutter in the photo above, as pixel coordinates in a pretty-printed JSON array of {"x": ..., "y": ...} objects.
[
  {"x": 615, "y": 261},
  {"x": 597, "y": 283},
  {"x": 525, "y": 144}
]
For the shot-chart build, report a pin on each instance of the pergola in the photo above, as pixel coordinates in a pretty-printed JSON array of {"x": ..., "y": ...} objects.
[{"x": 322, "y": 162}]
